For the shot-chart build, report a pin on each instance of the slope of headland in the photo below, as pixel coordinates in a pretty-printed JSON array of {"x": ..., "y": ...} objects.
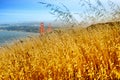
[{"x": 65, "y": 54}]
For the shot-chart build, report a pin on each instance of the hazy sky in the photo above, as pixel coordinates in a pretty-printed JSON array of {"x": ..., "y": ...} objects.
[
  {"x": 14, "y": 11},
  {"x": 23, "y": 10}
]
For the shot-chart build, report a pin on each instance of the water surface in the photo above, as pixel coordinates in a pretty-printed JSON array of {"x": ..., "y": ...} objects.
[{"x": 10, "y": 36}]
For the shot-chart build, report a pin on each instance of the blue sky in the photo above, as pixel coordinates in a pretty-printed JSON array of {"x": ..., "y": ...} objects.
[{"x": 15, "y": 11}]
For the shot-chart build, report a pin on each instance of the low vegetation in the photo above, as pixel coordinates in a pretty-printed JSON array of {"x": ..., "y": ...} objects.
[{"x": 65, "y": 54}]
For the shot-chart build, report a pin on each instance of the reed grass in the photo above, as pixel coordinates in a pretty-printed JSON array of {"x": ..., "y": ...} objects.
[{"x": 65, "y": 54}]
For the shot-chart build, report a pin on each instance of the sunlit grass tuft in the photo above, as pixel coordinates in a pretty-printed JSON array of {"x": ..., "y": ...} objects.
[{"x": 65, "y": 54}]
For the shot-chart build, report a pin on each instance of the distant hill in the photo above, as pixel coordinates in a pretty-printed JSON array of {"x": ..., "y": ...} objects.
[
  {"x": 102, "y": 25},
  {"x": 21, "y": 28},
  {"x": 25, "y": 27}
]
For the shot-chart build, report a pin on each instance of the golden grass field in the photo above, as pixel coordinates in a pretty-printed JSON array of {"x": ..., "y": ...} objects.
[{"x": 65, "y": 54}]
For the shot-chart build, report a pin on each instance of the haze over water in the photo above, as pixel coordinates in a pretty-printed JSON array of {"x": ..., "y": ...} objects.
[{"x": 10, "y": 36}]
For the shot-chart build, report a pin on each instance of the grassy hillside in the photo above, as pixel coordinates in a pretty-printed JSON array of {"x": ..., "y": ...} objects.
[{"x": 66, "y": 54}]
